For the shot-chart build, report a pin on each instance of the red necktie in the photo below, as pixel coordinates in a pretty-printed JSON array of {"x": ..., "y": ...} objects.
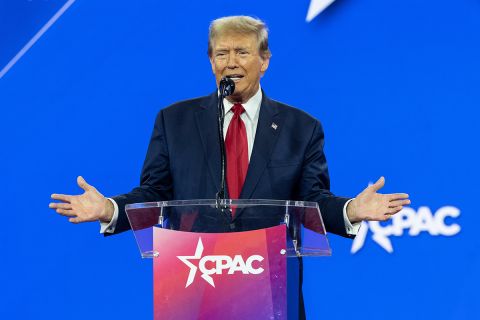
[{"x": 236, "y": 146}]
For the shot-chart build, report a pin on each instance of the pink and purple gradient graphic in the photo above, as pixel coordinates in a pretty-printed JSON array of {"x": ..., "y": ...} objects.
[{"x": 234, "y": 296}]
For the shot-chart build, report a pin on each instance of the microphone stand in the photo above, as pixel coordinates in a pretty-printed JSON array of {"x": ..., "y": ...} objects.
[{"x": 227, "y": 87}]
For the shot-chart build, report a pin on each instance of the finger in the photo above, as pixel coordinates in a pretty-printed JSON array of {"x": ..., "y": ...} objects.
[
  {"x": 61, "y": 197},
  {"x": 83, "y": 184},
  {"x": 66, "y": 213},
  {"x": 75, "y": 220},
  {"x": 397, "y": 203},
  {"x": 379, "y": 184},
  {"x": 394, "y": 210},
  {"x": 385, "y": 217},
  {"x": 56, "y": 205},
  {"x": 397, "y": 196}
]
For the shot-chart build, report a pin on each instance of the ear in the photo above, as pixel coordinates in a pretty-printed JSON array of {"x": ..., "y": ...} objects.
[{"x": 265, "y": 61}]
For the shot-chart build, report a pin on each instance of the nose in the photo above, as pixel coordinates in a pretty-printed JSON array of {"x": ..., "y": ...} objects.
[{"x": 232, "y": 61}]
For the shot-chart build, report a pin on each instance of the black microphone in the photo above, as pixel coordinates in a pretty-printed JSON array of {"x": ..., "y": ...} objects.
[{"x": 226, "y": 88}]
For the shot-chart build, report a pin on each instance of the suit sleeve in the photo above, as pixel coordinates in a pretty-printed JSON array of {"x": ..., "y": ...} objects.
[
  {"x": 315, "y": 184},
  {"x": 155, "y": 181}
]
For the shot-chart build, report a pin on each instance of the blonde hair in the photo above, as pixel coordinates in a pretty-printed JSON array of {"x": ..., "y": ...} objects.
[{"x": 242, "y": 25}]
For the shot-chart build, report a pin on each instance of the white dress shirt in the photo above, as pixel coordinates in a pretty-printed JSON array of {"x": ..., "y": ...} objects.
[{"x": 250, "y": 119}]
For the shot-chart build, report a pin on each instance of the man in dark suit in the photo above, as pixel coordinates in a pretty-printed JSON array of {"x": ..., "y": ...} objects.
[{"x": 276, "y": 151}]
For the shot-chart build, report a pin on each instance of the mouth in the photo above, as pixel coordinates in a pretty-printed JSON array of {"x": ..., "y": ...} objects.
[{"x": 235, "y": 77}]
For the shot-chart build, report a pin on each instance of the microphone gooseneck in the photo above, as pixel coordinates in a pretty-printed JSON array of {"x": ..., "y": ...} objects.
[{"x": 226, "y": 88}]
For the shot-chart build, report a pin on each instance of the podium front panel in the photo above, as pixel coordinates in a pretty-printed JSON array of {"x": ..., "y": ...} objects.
[{"x": 240, "y": 275}]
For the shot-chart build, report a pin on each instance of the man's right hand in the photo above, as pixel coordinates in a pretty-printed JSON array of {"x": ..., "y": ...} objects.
[{"x": 89, "y": 206}]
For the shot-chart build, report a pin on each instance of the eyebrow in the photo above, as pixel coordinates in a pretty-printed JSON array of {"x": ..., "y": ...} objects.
[{"x": 227, "y": 49}]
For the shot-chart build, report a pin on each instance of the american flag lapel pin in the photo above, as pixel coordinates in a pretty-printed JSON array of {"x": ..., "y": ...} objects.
[{"x": 274, "y": 126}]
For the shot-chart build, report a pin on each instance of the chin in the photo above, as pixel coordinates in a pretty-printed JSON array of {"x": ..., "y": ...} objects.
[
  {"x": 236, "y": 98},
  {"x": 237, "y": 93}
]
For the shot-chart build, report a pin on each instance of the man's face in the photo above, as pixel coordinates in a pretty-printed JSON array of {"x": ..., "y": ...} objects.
[{"x": 237, "y": 56}]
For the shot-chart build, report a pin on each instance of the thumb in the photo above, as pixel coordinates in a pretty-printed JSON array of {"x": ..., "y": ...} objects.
[
  {"x": 83, "y": 184},
  {"x": 379, "y": 184}
]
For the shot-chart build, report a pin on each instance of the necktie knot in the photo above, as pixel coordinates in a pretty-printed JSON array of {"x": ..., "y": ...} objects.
[{"x": 238, "y": 109}]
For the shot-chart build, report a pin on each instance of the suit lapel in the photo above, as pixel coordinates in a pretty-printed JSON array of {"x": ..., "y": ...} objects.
[
  {"x": 207, "y": 123},
  {"x": 268, "y": 128},
  {"x": 269, "y": 125}
]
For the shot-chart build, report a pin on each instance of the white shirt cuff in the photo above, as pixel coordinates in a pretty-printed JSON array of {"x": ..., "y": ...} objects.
[
  {"x": 352, "y": 229},
  {"x": 110, "y": 227}
]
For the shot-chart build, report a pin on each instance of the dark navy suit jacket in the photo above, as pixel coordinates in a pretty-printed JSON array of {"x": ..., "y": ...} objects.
[{"x": 287, "y": 162}]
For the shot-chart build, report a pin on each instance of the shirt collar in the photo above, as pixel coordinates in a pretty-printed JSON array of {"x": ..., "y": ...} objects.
[{"x": 251, "y": 106}]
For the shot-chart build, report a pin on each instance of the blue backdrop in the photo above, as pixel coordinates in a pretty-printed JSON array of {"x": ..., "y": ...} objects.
[{"x": 395, "y": 84}]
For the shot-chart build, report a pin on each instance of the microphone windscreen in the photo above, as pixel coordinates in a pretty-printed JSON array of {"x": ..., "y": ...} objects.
[{"x": 227, "y": 86}]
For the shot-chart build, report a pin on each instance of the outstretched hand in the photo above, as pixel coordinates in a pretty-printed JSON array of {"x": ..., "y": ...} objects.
[
  {"x": 373, "y": 206},
  {"x": 89, "y": 206}
]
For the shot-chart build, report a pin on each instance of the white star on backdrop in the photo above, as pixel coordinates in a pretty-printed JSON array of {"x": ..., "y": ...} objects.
[{"x": 316, "y": 7}]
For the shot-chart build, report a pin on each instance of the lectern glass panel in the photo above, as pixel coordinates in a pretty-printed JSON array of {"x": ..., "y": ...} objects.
[{"x": 306, "y": 232}]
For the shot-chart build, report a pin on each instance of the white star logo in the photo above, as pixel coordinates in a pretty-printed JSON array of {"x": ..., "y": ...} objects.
[
  {"x": 194, "y": 268},
  {"x": 316, "y": 7},
  {"x": 381, "y": 239}
]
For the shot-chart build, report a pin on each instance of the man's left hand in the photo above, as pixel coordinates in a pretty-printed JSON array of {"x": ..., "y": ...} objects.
[{"x": 373, "y": 206}]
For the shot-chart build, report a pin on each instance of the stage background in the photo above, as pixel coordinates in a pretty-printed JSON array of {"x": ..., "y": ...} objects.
[{"x": 395, "y": 84}]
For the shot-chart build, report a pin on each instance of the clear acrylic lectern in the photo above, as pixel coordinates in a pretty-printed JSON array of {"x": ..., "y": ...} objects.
[{"x": 227, "y": 259}]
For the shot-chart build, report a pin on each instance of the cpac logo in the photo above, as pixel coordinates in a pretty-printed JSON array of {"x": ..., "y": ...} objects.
[
  {"x": 409, "y": 221},
  {"x": 217, "y": 264}
]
